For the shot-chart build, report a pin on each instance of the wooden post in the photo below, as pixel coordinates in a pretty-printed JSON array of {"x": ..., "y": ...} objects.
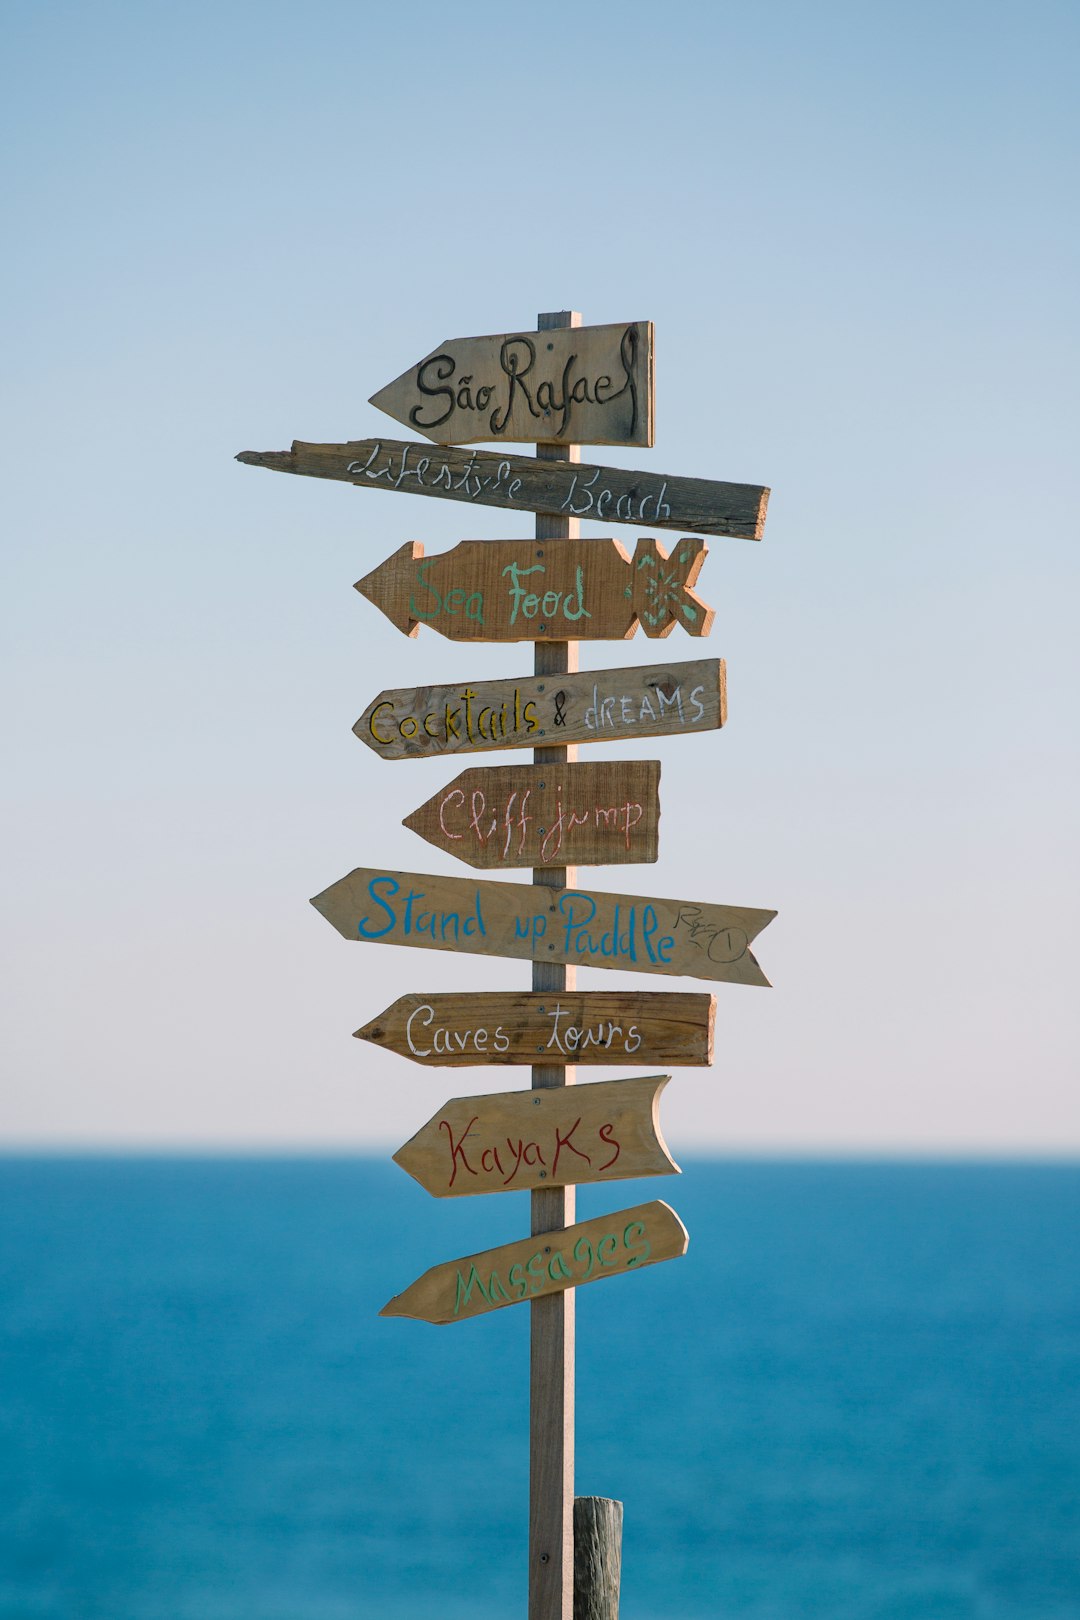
[
  {"x": 597, "y": 1557},
  {"x": 551, "y": 1370}
]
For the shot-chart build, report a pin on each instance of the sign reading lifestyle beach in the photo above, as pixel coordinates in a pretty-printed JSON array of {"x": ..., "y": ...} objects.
[{"x": 557, "y": 387}]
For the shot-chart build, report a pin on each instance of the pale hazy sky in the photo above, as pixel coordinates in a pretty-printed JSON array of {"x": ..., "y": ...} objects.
[{"x": 854, "y": 227}]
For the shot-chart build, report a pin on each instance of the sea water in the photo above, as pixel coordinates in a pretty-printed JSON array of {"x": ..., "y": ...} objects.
[{"x": 857, "y": 1396}]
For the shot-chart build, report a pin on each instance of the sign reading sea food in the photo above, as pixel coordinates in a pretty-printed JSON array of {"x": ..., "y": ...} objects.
[
  {"x": 547, "y": 815},
  {"x": 556, "y": 1027},
  {"x": 589, "y": 384},
  {"x": 553, "y": 1137},
  {"x": 518, "y": 484},
  {"x": 522, "y": 590},
  {"x": 549, "y": 1263},
  {"x": 535, "y": 923},
  {"x": 603, "y": 705}
]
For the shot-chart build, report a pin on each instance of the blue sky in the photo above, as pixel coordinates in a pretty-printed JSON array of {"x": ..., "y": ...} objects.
[{"x": 854, "y": 229}]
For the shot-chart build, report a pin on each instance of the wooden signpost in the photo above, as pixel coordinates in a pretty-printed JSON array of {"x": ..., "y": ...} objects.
[
  {"x": 523, "y": 1139},
  {"x": 593, "y": 1026},
  {"x": 545, "y": 1264},
  {"x": 540, "y": 815},
  {"x": 518, "y": 590},
  {"x": 557, "y": 387},
  {"x": 600, "y": 705},
  {"x": 527, "y": 921},
  {"x": 557, "y": 487},
  {"x": 591, "y": 383}
]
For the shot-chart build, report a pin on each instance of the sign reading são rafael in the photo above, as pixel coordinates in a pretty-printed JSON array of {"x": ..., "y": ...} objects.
[{"x": 563, "y": 385}]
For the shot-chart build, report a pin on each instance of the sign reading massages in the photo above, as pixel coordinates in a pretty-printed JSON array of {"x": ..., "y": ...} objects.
[
  {"x": 546, "y": 1264},
  {"x": 592, "y": 384}
]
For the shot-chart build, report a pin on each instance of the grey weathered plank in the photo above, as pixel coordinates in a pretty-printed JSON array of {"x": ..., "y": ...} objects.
[{"x": 647, "y": 500}]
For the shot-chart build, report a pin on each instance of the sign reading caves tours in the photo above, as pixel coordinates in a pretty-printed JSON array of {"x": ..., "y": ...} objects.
[{"x": 564, "y": 1026}]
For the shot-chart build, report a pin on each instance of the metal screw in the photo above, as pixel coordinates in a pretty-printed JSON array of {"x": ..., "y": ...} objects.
[
  {"x": 543, "y": 1175},
  {"x": 544, "y": 1559},
  {"x": 536, "y": 1100},
  {"x": 543, "y": 627}
]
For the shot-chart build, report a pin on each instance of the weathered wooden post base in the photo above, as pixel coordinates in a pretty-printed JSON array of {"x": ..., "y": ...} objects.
[{"x": 597, "y": 1557}]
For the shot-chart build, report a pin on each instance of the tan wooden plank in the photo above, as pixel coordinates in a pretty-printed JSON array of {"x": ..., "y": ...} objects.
[
  {"x": 458, "y": 1031},
  {"x": 553, "y": 1319},
  {"x": 528, "y": 590},
  {"x": 590, "y": 384},
  {"x": 647, "y": 500},
  {"x": 597, "y": 705},
  {"x": 548, "y": 1263},
  {"x": 530, "y": 922},
  {"x": 595, "y": 814},
  {"x": 551, "y": 1137}
]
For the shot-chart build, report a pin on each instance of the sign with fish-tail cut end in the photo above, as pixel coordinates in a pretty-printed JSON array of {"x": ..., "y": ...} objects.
[
  {"x": 553, "y": 1137},
  {"x": 559, "y": 1026},
  {"x": 532, "y": 922},
  {"x": 539, "y": 590},
  {"x": 598, "y": 705},
  {"x": 590, "y": 384},
  {"x": 549, "y": 1263},
  {"x": 595, "y": 814},
  {"x": 567, "y": 489}
]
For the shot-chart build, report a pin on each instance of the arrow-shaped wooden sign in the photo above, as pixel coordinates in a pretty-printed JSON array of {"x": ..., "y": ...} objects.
[
  {"x": 558, "y": 1027},
  {"x": 519, "y": 484},
  {"x": 547, "y": 815},
  {"x": 601, "y": 705},
  {"x": 553, "y": 1137},
  {"x": 588, "y": 384},
  {"x": 529, "y": 590},
  {"x": 549, "y": 1263},
  {"x": 531, "y": 922}
]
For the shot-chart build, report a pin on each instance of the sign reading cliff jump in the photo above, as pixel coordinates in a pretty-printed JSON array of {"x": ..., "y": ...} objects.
[
  {"x": 547, "y": 1264},
  {"x": 533, "y": 922},
  {"x": 520, "y": 590},
  {"x": 515, "y": 1139},
  {"x": 547, "y": 815},
  {"x": 604, "y": 705},
  {"x": 566, "y": 1026},
  {"x": 593, "y": 384}
]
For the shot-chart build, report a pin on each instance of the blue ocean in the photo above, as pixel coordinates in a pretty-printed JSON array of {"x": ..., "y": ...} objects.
[{"x": 857, "y": 1396}]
